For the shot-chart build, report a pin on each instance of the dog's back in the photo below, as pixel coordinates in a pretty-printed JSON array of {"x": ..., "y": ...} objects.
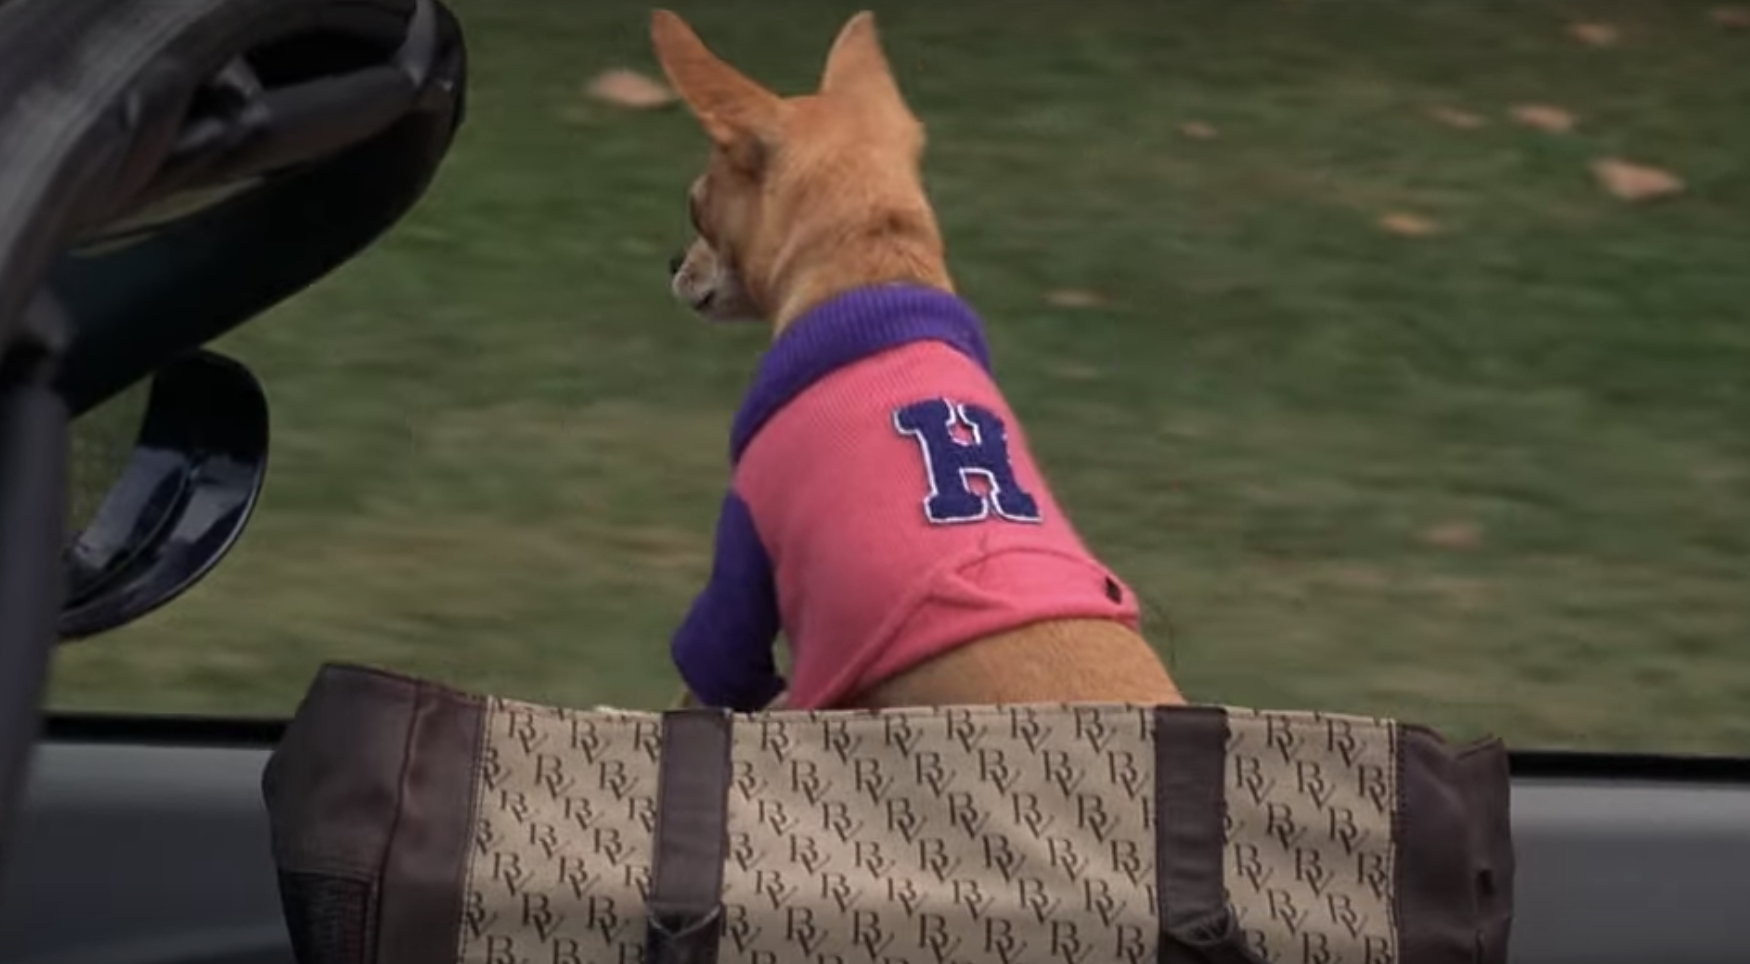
[{"x": 901, "y": 508}]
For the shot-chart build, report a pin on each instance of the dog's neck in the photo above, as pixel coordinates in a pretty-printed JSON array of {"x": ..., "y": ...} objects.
[{"x": 896, "y": 246}]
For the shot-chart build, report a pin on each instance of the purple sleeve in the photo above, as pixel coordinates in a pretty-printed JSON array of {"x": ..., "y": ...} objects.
[{"x": 723, "y": 649}]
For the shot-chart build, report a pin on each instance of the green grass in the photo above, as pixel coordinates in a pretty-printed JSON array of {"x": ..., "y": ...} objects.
[{"x": 499, "y": 446}]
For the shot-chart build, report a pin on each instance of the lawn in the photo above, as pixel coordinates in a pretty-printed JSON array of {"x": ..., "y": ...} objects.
[{"x": 1493, "y": 477}]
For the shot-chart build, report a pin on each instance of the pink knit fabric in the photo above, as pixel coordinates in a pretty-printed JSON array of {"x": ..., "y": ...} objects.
[
  {"x": 884, "y": 509},
  {"x": 867, "y": 585}
]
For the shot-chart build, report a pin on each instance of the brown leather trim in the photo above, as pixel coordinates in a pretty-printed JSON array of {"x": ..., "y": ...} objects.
[
  {"x": 424, "y": 877},
  {"x": 1436, "y": 878},
  {"x": 692, "y": 838},
  {"x": 1190, "y": 807},
  {"x": 1483, "y": 768},
  {"x": 373, "y": 783},
  {"x": 330, "y": 784}
]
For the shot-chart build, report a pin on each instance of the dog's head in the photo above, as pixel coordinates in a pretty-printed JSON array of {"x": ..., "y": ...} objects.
[
  {"x": 793, "y": 181},
  {"x": 707, "y": 284}
]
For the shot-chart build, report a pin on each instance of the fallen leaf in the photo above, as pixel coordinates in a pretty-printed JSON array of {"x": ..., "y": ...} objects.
[
  {"x": 1076, "y": 372},
  {"x": 1543, "y": 117},
  {"x": 1452, "y": 117},
  {"x": 1407, "y": 225},
  {"x": 1721, "y": 474},
  {"x": 630, "y": 89},
  {"x": 1732, "y": 18},
  {"x": 1455, "y": 535},
  {"x": 1075, "y": 298},
  {"x": 1458, "y": 592},
  {"x": 1198, "y": 131},
  {"x": 1360, "y": 577},
  {"x": 1634, "y": 182},
  {"x": 1595, "y": 34},
  {"x": 1276, "y": 563}
]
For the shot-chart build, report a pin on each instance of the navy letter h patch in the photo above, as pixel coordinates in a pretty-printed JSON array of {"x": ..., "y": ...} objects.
[{"x": 950, "y": 463}]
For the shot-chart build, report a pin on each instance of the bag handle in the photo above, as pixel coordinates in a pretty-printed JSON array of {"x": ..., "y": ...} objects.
[
  {"x": 1190, "y": 806},
  {"x": 685, "y": 905}
]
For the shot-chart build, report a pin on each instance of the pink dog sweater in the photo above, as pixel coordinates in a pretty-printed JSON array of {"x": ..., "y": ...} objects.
[{"x": 884, "y": 509}]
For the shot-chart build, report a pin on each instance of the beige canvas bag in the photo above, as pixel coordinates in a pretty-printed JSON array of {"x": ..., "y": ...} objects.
[{"x": 413, "y": 824}]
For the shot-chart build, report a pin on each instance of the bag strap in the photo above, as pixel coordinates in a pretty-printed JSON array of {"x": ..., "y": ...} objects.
[
  {"x": 1190, "y": 779},
  {"x": 685, "y": 905}
]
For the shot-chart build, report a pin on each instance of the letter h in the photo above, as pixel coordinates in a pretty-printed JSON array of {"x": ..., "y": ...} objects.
[{"x": 950, "y": 463}]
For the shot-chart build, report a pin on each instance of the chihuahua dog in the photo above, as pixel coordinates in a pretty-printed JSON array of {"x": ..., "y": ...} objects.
[{"x": 886, "y": 514}]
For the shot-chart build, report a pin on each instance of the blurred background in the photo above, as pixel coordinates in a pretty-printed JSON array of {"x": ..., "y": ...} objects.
[{"x": 1397, "y": 353}]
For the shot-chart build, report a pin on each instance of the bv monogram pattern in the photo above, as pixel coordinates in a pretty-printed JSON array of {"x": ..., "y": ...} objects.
[
  {"x": 1310, "y": 853},
  {"x": 565, "y": 812},
  {"x": 951, "y": 836},
  {"x": 979, "y": 835}
]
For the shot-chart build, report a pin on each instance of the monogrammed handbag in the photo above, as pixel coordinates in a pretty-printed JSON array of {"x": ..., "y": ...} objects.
[{"x": 413, "y": 824}]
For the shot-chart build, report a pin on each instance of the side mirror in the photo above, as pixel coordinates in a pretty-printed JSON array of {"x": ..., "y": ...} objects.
[{"x": 181, "y": 494}]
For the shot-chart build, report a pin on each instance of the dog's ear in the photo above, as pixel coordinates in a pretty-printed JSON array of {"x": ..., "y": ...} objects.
[
  {"x": 739, "y": 115},
  {"x": 856, "y": 67}
]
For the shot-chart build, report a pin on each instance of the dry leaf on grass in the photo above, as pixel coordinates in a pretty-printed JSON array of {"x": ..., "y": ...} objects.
[
  {"x": 1732, "y": 18},
  {"x": 1198, "y": 131},
  {"x": 1457, "y": 591},
  {"x": 1594, "y": 34},
  {"x": 1543, "y": 117},
  {"x": 1076, "y": 372},
  {"x": 1457, "y": 119},
  {"x": 1359, "y": 577},
  {"x": 1634, "y": 182},
  {"x": 1407, "y": 225},
  {"x": 1075, "y": 298},
  {"x": 630, "y": 89},
  {"x": 1456, "y": 535}
]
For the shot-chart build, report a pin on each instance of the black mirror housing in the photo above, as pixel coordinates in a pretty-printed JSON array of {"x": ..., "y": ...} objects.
[{"x": 186, "y": 493}]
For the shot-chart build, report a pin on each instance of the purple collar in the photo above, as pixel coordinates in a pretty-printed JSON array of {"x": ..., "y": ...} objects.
[{"x": 846, "y": 329}]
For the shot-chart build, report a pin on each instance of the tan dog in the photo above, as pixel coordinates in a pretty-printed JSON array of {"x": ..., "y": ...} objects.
[{"x": 807, "y": 198}]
